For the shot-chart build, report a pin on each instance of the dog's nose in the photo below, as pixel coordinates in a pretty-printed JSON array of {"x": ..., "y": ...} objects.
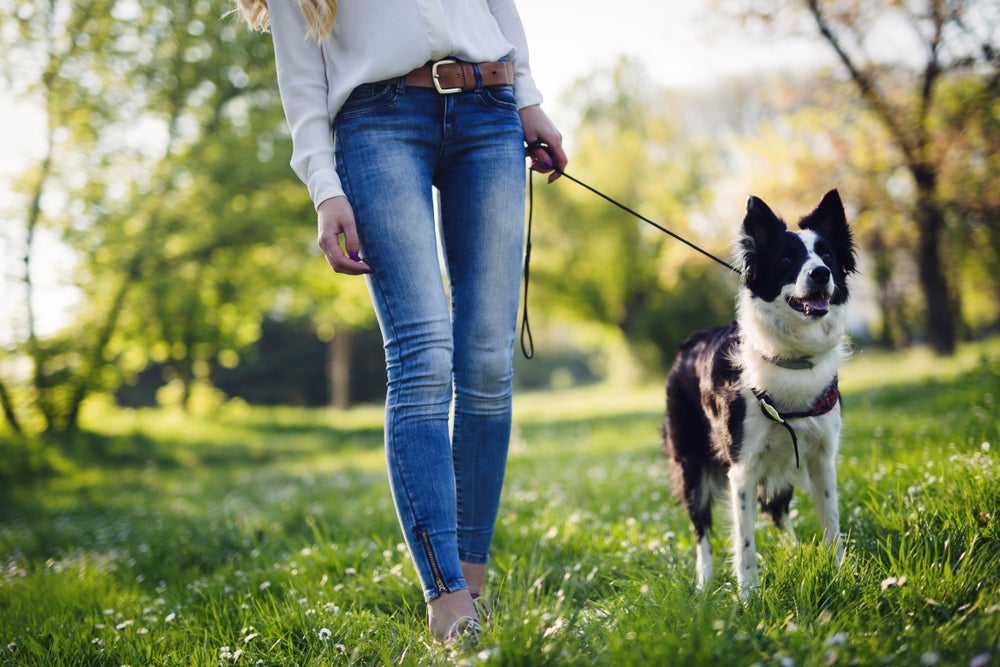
[{"x": 820, "y": 275}]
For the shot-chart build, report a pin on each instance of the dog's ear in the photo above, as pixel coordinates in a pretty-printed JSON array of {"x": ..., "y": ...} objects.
[
  {"x": 829, "y": 220},
  {"x": 759, "y": 225},
  {"x": 760, "y": 222}
]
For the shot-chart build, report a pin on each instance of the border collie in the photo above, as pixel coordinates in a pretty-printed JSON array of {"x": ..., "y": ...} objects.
[{"x": 754, "y": 406}]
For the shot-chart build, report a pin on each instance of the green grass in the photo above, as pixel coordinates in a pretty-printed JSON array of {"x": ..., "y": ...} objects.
[{"x": 267, "y": 537}]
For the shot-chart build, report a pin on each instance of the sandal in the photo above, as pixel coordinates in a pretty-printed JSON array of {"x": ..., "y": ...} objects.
[{"x": 465, "y": 629}]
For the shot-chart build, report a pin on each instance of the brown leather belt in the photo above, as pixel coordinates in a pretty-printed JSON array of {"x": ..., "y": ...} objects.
[{"x": 452, "y": 76}]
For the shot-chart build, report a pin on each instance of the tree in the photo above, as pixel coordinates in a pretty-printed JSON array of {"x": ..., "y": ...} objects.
[
  {"x": 948, "y": 40},
  {"x": 165, "y": 170}
]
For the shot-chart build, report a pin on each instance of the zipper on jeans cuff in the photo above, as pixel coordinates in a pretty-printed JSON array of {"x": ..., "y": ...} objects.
[{"x": 435, "y": 570}]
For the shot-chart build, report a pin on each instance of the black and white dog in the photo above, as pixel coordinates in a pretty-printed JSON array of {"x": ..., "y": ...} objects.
[{"x": 754, "y": 406}]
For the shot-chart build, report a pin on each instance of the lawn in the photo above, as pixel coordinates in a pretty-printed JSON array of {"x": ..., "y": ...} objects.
[{"x": 267, "y": 537}]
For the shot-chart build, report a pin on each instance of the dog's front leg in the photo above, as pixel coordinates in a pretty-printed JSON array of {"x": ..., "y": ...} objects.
[
  {"x": 743, "y": 496},
  {"x": 823, "y": 478}
]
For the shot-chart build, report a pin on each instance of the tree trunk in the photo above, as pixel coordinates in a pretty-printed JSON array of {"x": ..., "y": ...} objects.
[
  {"x": 8, "y": 410},
  {"x": 940, "y": 314},
  {"x": 340, "y": 370}
]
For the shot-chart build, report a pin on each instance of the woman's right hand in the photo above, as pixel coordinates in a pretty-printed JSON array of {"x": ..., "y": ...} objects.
[{"x": 336, "y": 219}]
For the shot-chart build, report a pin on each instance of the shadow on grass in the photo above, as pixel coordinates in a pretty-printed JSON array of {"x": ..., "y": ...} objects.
[{"x": 240, "y": 446}]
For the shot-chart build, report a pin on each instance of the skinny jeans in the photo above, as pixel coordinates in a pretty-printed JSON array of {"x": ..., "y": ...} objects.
[{"x": 448, "y": 327}]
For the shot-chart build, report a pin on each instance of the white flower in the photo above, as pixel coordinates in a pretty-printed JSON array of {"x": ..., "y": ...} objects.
[
  {"x": 836, "y": 640},
  {"x": 981, "y": 660},
  {"x": 324, "y": 634}
]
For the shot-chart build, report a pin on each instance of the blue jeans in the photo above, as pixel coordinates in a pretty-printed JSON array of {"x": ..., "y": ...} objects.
[{"x": 393, "y": 143}]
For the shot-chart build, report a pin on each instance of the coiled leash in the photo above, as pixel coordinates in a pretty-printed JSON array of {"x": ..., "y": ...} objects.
[{"x": 528, "y": 349}]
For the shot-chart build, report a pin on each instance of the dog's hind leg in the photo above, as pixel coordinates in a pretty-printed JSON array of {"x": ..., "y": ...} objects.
[
  {"x": 777, "y": 506},
  {"x": 742, "y": 495},
  {"x": 823, "y": 478},
  {"x": 696, "y": 484},
  {"x": 699, "y": 504}
]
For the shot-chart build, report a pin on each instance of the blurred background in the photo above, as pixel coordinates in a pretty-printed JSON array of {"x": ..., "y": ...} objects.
[{"x": 158, "y": 251}]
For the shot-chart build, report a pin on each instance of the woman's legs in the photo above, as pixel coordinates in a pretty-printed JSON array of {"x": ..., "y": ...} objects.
[
  {"x": 482, "y": 211},
  {"x": 388, "y": 156}
]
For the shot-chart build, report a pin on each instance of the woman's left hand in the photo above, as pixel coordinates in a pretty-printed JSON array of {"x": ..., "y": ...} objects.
[{"x": 548, "y": 155}]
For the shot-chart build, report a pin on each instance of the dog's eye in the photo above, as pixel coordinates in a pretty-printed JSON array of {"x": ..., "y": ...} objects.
[
  {"x": 827, "y": 257},
  {"x": 785, "y": 260}
]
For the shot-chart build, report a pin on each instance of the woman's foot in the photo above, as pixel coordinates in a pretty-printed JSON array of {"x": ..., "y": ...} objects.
[{"x": 453, "y": 615}]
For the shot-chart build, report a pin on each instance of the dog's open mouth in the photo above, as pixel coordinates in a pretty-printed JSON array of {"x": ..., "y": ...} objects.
[{"x": 811, "y": 306}]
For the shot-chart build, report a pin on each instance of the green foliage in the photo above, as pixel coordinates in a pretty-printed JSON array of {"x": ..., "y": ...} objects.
[
  {"x": 267, "y": 536},
  {"x": 165, "y": 171}
]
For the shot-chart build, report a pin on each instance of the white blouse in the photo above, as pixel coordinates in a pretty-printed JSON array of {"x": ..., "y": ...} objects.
[{"x": 374, "y": 40}]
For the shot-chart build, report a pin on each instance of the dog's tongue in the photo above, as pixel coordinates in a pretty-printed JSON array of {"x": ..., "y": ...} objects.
[{"x": 816, "y": 304}]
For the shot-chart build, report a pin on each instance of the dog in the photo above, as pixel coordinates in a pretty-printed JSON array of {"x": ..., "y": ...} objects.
[{"x": 754, "y": 406}]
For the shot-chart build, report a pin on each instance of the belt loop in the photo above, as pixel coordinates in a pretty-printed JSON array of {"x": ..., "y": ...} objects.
[
  {"x": 401, "y": 85},
  {"x": 479, "y": 76}
]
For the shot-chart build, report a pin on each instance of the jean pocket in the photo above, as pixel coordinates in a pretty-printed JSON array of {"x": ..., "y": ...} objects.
[
  {"x": 368, "y": 98},
  {"x": 500, "y": 98}
]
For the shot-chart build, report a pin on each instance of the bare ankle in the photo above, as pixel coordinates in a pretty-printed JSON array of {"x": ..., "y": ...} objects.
[{"x": 475, "y": 577}]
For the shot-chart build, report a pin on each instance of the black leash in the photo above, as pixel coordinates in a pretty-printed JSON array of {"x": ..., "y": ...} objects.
[
  {"x": 529, "y": 349},
  {"x": 647, "y": 220}
]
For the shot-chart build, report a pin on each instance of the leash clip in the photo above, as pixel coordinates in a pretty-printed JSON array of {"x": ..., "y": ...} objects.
[{"x": 770, "y": 410}]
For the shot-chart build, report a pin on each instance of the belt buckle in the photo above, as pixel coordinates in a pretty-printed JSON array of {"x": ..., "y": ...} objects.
[{"x": 436, "y": 78}]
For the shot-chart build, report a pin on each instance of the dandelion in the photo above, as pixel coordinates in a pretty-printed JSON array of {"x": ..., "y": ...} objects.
[
  {"x": 170, "y": 617},
  {"x": 124, "y": 624},
  {"x": 893, "y": 581},
  {"x": 930, "y": 658},
  {"x": 250, "y": 637},
  {"x": 12, "y": 647},
  {"x": 324, "y": 634},
  {"x": 838, "y": 639},
  {"x": 264, "y": 585}
]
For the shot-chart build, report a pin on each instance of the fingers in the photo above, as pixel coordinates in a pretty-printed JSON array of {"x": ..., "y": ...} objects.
[
  {"x": 336, "y": 219},
  {"x": 544, "y": 142},
  {"x": 547, "y": 158}
]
